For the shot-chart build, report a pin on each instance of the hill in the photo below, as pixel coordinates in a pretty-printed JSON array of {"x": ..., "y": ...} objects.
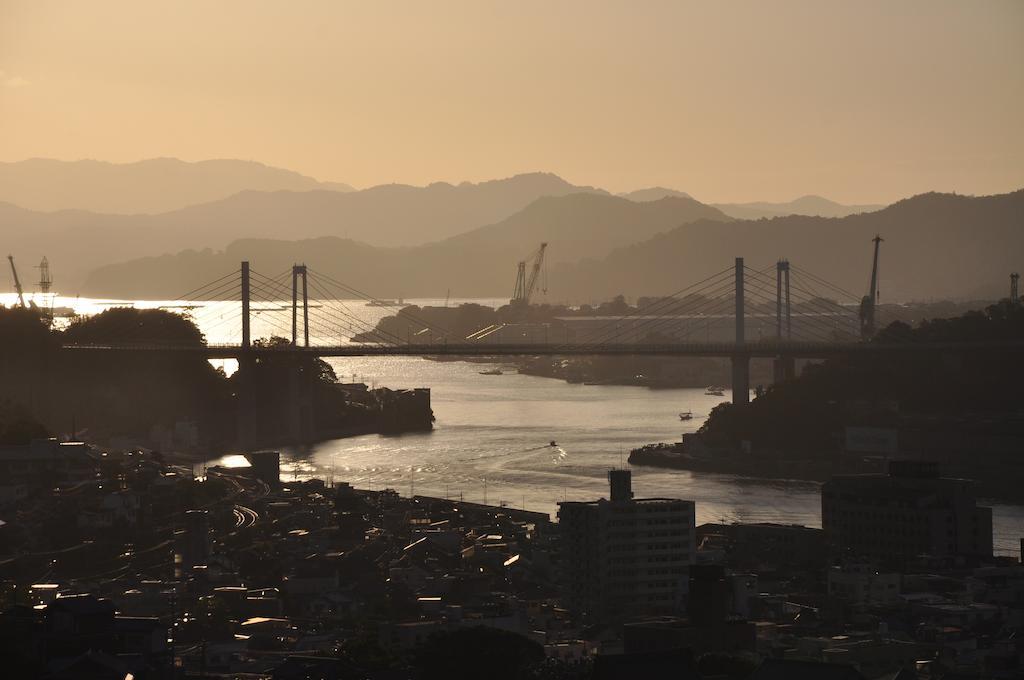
[
  {"x": 477, "y": 263},
  {"x": 936, "y": 246},
  {"x": 79, "y": 241},
  {"x": 580, "y": 226},
  {"x": 654, "y": 194},
  {"x": 805, "y": 205},
  {"x": 815, "y": 206},
  {"x": 148, "y": 186}
]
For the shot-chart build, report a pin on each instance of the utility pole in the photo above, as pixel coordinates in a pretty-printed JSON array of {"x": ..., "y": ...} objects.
[{"x": 1014, "y": 295}]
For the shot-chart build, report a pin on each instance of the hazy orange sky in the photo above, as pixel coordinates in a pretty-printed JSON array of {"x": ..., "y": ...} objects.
[{"x": 858, "y": 101}]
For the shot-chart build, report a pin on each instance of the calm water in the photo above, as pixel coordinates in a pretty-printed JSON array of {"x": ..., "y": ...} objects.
[{"x": 491, "y": 438}]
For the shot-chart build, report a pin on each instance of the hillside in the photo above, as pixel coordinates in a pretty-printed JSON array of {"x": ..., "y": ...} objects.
[
  {"x": 480, "y": 262},
  {"x": 936, "y": 246},
  {"x": 78, "y": 241},
  {"x": 814, "y": 206},
  {"x": 150, "y": 186},
  {"x": 653, "y": 194},
  {"x": 580, "y": 226}
]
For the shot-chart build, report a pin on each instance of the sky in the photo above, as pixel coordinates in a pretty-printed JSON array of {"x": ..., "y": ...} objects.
[{"x": 862, "y": 102}]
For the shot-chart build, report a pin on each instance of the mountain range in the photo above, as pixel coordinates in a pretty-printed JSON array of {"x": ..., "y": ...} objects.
[
  {"x": 936, "y": 246},
  {"x": 815, "y": 206},
  {"x": 478, "y": 262},
  {"x": 150, "y": 186},
  {"x": 160, "y": 215},
  {"x": 77, "y": 241}
]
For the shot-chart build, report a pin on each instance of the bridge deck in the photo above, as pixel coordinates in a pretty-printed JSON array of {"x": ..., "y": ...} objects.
[{"x": 766, "y": 349}]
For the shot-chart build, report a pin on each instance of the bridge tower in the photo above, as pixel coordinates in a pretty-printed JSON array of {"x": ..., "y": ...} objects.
[
  {"x": 244, "y": 404},
  {"x": 300, "y": 375},
  {"x": 784, "y": 367},
  {"x": 740, "y": 359},
  {"x": 299, "y": 271}
]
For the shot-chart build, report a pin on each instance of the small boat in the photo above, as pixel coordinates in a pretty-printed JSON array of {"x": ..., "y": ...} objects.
[
  {"x": 713, "y": 391},
  {"x": 553, "y": 443},
  {"x": 686, "y": 415},
  {"x": 493, "y": 371}
]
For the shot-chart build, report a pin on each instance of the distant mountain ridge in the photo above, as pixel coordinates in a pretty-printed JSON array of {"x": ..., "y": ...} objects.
[
  {"x": 479, "y": 262},
  {"x": 936, "y": 246},
  {"x": 654, "y": 194},
  {"x": 78, "y": 241},
  {"x": 815, "y": 206},
  {"x": 149, "y": 186}
]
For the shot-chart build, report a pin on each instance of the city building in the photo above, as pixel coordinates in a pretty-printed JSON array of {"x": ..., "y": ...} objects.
[
  {"x": 626, "y": 556},
  {"x": 909, "y": 511}
]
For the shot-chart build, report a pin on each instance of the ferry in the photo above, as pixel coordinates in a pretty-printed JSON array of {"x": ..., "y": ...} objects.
[{"x": 387, "y": 303}]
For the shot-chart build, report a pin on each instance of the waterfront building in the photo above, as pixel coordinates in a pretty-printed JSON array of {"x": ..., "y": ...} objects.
[
  {"x": 909, "y": 511},
  {"x": 626, "y": 556}
]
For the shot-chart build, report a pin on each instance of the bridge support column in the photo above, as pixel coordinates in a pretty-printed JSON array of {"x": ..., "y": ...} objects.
[
  {"x": 783, "y": 369},
  {"x": 740, "y": 378},
  {"x": 300, "y": 400}
]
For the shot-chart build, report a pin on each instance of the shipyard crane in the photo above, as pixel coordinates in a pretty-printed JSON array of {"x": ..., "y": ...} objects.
[
  {"x": 525, "y": 285},
  {"x": 868, "y": 303},
  {"x": 17, "y": 283}
]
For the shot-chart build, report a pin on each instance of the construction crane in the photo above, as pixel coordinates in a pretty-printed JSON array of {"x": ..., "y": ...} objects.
[
  {"x": 45, "y": 285},
  {"x": 525, "y": 285},
  {"x": 17, "y": 283},
  {"x": 867, "y": 304}
]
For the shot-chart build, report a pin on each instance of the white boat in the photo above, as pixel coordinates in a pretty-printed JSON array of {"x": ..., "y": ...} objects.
[{"x": 713, "y": 391}]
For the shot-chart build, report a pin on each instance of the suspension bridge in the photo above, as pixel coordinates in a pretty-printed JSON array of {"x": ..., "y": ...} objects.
[{"x": 780, "y": 312}]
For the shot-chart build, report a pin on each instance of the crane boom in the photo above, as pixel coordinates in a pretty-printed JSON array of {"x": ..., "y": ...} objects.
[
  {"x": 867, "y": 305},
  {"x": 17, "y": 283},
  {"x": 525, "y": 285},
  {"x": 538, "y": 262}
]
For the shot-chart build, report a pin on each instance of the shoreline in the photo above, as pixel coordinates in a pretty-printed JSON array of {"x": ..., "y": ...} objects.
[{"x": 800, "y": 470}]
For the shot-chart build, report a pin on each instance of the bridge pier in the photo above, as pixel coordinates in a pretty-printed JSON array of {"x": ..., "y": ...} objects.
[
  {"x": 740, "y": 378},
  {"x": 300, "y": 424},
  {"x": 783, "y": 369}
]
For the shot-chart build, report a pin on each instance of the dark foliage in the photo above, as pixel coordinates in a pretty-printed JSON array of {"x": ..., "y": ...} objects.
[
  {"x": 808, "y": 414},
  {"x": 17, "y": 426},
  {"x": 478, "y": 652}
]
